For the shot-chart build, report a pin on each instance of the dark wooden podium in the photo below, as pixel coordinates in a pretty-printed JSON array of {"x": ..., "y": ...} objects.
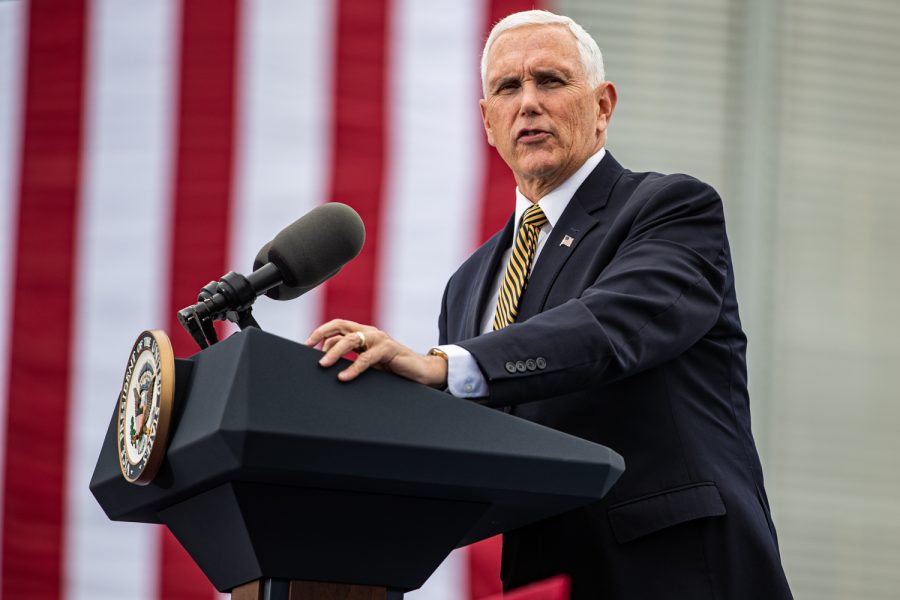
[{"x": 283, "y": 483}]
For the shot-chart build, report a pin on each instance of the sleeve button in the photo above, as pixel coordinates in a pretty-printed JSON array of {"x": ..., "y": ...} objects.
[
  {"x": 530, "y": 364},
  {"x": 520, "y": 366},
  {"x": 510, "y": 367},
  {"x": 541, "y": 362}
]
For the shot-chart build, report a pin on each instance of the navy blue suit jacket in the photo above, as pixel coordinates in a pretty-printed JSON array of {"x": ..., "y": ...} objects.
[{"x": 629, "y": 336}]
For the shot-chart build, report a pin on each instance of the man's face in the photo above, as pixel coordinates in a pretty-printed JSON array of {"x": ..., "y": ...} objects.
[{"x": 539, "y": 112}]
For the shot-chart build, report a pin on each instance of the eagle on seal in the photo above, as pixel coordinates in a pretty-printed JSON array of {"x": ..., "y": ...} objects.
[{"x": 143, "y": 395}]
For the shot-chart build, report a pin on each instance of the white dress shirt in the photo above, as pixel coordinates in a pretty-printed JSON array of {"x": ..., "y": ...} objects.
[{"x": 464, "y": 378}]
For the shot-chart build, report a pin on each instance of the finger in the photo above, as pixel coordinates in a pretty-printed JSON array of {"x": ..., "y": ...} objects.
[
  {"x": 363, "y": 361},
  {"x": 330, "y": 342},
  {"x": 326, "y": 330},
  {"x": 344, "y": 345},
  {"x": 329, "y": 329}
]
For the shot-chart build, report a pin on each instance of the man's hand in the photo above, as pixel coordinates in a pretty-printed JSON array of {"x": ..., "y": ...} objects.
[{"x": 377, "y": 349}]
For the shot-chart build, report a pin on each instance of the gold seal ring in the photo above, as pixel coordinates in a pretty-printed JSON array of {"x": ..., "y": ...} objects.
[{"x": 362, "y": 341}]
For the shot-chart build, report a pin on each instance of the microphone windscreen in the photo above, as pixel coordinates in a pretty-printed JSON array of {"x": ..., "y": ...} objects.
[{"x": 316, "y": 246}]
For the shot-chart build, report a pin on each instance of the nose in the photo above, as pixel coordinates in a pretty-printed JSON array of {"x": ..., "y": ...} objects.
[{"x": 531, "y": 101}]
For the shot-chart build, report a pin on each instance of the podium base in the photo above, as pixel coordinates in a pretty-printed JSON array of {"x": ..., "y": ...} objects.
[{"x": 284, "y": 589}]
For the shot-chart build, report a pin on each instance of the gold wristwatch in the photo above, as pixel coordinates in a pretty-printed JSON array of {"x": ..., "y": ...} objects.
[{"x": 439, "y": 352}]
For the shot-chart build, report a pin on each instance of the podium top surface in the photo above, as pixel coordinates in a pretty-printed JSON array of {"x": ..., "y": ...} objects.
[{"x": 259, "y": 408}]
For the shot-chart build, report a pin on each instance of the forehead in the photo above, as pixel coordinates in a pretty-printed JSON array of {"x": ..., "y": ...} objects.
[{"x": 534, "y": 46}]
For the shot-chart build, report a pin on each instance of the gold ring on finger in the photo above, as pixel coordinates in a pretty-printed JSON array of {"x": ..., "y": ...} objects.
[{"x": 362, "y": 341}]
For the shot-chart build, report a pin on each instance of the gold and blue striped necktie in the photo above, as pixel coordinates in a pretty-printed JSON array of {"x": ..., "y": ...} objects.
[{"x": 519, "y": 265}]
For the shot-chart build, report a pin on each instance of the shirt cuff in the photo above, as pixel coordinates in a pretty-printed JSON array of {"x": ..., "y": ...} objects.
[{"x": 464, "y": 378}]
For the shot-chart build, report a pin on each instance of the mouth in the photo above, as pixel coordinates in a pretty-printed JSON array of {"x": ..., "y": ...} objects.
[{"x": 530, "y": 136}]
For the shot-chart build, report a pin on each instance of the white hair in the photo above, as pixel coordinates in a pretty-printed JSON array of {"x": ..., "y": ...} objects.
[{"x": 591, "y": 57}]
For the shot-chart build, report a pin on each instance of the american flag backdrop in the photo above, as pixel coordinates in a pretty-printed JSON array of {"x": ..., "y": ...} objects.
[{"x": 146, "y": 148}]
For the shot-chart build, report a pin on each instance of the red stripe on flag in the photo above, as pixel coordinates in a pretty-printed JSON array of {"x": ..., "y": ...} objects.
[
  {"x": 39, "y": 371},
  {"x": 359, "y": 145},
  {"x": 484, "y": 568},
  {"x": 201, "y": 211},
  {"x": 498, "y": 193}
]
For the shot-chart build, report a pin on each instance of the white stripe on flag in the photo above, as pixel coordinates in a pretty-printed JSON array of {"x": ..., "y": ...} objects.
[
  {"x": 12, "y": 40},
  {"x": 434, "y": 185},
  {"x": 282, "y": 139},
  {"x": 121, "y": 271}
]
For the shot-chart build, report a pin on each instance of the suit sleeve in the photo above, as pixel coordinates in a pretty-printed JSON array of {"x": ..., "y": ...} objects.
[{"x": 659, "y": 295}]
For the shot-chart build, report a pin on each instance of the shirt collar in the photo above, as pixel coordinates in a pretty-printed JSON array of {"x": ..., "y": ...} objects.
[{"x": 554, "y": 203}]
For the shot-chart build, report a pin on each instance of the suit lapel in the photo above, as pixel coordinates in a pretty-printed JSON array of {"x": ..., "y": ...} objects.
[
  {"x": 573, "y": 226},
  {"x": 485, "y": 278}
]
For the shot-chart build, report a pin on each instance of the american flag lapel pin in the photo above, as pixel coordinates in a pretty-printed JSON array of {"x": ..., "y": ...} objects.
[{"x": 567, "y": 241}]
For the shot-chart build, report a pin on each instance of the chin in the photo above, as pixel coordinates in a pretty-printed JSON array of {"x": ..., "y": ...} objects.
[
  {"x": 539, "y": 169},
  {"x": 535, "y": 158}
]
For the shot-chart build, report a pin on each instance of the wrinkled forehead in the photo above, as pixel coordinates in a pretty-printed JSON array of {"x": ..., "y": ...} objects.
[{"x": 532, "y": 46}]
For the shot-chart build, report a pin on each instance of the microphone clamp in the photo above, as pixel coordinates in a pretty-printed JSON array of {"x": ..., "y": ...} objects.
[{"x": 229, "y": 299}]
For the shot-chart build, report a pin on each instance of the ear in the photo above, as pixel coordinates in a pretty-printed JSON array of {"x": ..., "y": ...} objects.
[
  {"x": 606, "y": 97},
  {"x": 486, "y": 121}
]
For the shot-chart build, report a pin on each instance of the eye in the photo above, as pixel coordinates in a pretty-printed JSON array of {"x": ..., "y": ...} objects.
[
  {"x": 507, "y": 87},
  {"x": 551, "y": 81}
]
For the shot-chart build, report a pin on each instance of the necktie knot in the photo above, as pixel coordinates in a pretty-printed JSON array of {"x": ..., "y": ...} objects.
[{"x": 534, "y": 216}]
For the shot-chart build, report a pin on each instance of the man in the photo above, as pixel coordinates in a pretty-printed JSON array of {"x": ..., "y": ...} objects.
[{"x": 605, "y": 309}]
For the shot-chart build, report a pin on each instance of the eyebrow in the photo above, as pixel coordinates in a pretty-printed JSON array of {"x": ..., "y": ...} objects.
[
  {"x": 553, "y": 72},
  {"x": 541, "y": 73}
]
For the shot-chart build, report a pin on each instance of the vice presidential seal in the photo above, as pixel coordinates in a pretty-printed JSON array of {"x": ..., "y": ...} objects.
[{"x": 145, "y": 406}]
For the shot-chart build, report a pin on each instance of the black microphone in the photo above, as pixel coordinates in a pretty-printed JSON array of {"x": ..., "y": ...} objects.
[
  {"x": 283, "y": 291},
  {"x": 302, "y": 256},
  {"x": 313, "y": 248}
]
